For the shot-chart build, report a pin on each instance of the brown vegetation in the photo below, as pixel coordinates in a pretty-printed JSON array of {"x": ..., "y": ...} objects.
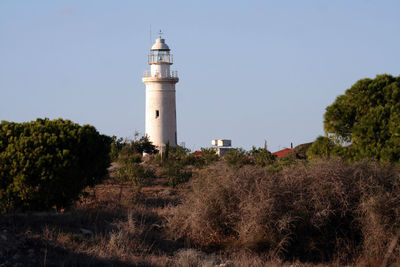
[
  {"x": 325, "y": 212},
  {"x": 113, "y": 225}
]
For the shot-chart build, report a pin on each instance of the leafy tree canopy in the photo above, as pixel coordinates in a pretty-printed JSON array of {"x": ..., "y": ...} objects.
[
  {"x": 46, "y": 163},
  {"x": 324, "y": 147},
  {"x": 367, "y": 116}
]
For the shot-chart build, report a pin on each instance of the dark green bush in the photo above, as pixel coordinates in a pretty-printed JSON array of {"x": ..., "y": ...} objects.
[
  {"x": 193, "y": 160},
  {"x": 177, "y": 153},
  {"x": 181, "y": 155},
  {"x": 132, "y": 171},
  {"x": 46, "y": 163},
  {"x": 209, "y": 155},
  {"x": 324, "y": 147},
  {"x": 176, "y": 173},
  {"x": 281, "y": 163},
  {"x": 237, "y": 157},
  {"x": 262, "y": 157}
]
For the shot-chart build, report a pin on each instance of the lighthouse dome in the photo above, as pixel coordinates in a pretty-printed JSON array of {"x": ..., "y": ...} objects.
[{"x": 160, "y": 45}]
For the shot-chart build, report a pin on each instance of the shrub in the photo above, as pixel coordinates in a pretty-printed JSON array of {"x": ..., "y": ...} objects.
[
  {"x": 116, "y": 147},
  {"x": 131, "y": 159},
  {"x": 181, "y": 156},
  {"x": 379, "y": 209},
  {"x": 317, "y": 212},
  {"x": 131, "y": 170},
  {"x": 193, "y": 160},
  {"x": 262, "y": 157},
  {"x": 177, "y": 153},
  {"x": 282, "y": 163},
  {"x": 170, "y": 153},
  {"x": 143, "y": 145},
  {"x": 209, "y": 155},
  {"x": 176, "y": 173},
  {"x": 48, "y": 162},
  {"x": 237, "y": 157},
  {"x": 324, "y": 147}
]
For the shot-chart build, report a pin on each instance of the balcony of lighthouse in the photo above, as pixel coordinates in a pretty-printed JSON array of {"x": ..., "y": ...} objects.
[{"x": 167, "y": 75}]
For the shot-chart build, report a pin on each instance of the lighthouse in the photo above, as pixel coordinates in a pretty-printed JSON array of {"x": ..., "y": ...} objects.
[{"x": 160, "y": 96}]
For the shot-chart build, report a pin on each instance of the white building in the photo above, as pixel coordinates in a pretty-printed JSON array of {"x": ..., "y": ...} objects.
[
  {"x": 221, "y": 146},
  {"x": 160, "y": 96}
]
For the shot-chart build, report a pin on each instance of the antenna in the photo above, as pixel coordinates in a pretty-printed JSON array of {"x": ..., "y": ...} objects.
[
  {"x": 160, "y": 33},
  {"x": 151, "y": 42}
]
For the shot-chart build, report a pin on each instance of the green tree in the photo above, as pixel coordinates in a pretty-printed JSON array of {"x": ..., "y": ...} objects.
[
  {"x": 367, "y": 116},
  {"x": 262, "y": 157},
  {"x": 49, "y": 162},
  {"x": 324, "y": 147}
]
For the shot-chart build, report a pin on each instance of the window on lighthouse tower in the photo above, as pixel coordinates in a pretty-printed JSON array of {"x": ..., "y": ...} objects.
[{"x": 157, "y": 114}]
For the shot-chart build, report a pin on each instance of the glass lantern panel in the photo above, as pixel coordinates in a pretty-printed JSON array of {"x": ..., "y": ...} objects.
[{"x": 160, "y": 57}]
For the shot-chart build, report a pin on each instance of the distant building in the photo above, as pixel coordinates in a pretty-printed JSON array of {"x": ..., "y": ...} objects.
[
  {"x": 221, "y": 142},
  {"x": 221, "y": 146}
]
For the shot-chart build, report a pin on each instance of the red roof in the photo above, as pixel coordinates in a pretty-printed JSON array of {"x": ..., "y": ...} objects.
[
  {"x": 197, "y": 153},
  {"x": 282, "y": 152}
]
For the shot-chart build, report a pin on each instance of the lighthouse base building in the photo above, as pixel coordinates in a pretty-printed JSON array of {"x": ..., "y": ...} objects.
[{"x": 160, "y": 96}]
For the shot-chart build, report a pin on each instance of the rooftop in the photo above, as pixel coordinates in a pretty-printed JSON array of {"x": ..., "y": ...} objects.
[{"x": 160, "y": 45}]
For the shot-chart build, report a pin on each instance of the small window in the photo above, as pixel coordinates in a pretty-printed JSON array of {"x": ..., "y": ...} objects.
[{"x": 157, "y": 114}]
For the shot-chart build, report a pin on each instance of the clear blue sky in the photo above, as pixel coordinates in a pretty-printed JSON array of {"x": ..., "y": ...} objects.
[{"x": 249, "y": 70}]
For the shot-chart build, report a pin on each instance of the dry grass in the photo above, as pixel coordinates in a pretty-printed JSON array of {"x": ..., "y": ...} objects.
[
  {"x": 323, "y": 212},
  {"x": 328, "y": 213},
  {"x": 112, "y": 226}
]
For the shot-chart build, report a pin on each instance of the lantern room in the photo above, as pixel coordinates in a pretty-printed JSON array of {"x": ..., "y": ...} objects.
[{"x": 159, "y": 53}]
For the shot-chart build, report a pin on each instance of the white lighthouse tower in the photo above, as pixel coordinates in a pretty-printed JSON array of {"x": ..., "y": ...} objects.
[{"x": 160, "y": 96}]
